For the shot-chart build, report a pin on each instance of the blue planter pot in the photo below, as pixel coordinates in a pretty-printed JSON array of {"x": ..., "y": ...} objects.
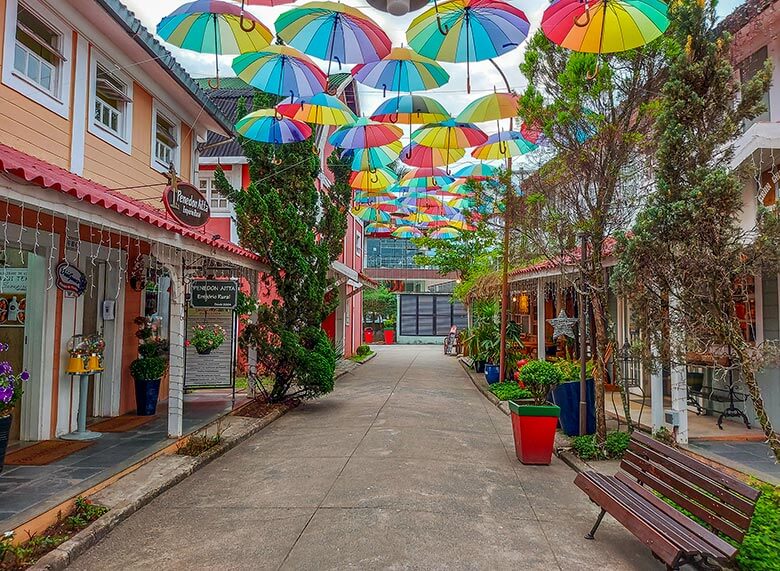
[
  {"x": 146, "y": 395},
  {"x": 5, "y": 433},
  {"x": 492, "y": 373},
  {"x": 567, "y": 396}
]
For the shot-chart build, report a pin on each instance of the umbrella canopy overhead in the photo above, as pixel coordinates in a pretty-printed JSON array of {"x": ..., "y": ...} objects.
[
  {"x": 365, "y": 133},
  {"x": 502, "y": 146},
  {"x": 402, "y": 70},
  {"x": 382, "y": 228},
  {"x": 377, "y": 180},
  {"x": 333, "y": 32},
  {"x": 426, "y": 177},
  {"x": 468, "y": 30},
  {"x": 320, "y": 108},
  {"x": 449, "y": 134},
  {"x": 281, "y": 70},
  {"x": 266, "y": 126},
  {"x": 368, "y": 214},
  {"x": 373, "y": 157},
  {"x": 407, "y": 232},
  {"x": 604, "y": 26},
  {"x": 446, "y": 233},
  {"x": 410, "y": 109},
  {"x": 416, "y": 155},
  {"x": 491, "y": 107},
  {"x": 478, "y": 171}
]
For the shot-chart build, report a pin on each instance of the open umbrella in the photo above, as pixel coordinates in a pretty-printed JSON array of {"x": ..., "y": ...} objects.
[
  {"x": 491, "y": 107},
  {"x": 266, "y": 126},
  {"x": 376, "y": 180},
  {"x": 416, "y": 155},
  {"x": 333, "y": 32},
  {"x": 373, "y": 157},
  {"x": 402, "y": 70},
  {"x": 320, "y": 108},
  {"x": 281, "y": 70},
  {"x": 449, "y": 134},
  {"x": 411, "y": 109},
  {"x": 426, "y": 177},
  {"x": 249, "y": 25},
  {"x": 368, "y": 214},
  {"x": 478, "y": 171},
  {"x": 460, "y": 188},
  {"x": 365, "y": 133},
  {"x": 407, "y": 232},
  {"x": 213, "y": 27},
  {"x": 379, "y": 228},
  {"x": 468, "y": 30},
  {"x": 445, "y": 233},
  {"x": 502, "y": 146}
]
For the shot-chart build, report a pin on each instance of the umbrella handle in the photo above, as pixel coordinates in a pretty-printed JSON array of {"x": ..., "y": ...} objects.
[
  {"x": 444, "y": 29},
  {"x": 251, "y": 27},
  {"x": 374, "y": 176},
  {"x": 393, "y": 118},
  {"x": 591, "y": 76},
  {"x": 502, "y": 147},
  {"x": 338, "y": 61},
  {"x": 384, "y": 90},
  {"x": 578, "y": 20}
]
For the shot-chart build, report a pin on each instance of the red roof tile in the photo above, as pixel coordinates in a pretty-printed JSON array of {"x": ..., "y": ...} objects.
[
  {"x": 46, "y": 175},
  {"x": 570, "y": 259}
]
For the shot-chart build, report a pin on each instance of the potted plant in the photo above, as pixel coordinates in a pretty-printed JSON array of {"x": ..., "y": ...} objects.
[
  {"x": 567, "y": 396},
  {"x": 389, "y": 331},
  {"x": 490, "y": 351},
  {"x": 149, "y": 368},
  {"x": 11, "y": 390},
  {"x": 206, "y": 338},
  {"x": 534, "y": 425}
]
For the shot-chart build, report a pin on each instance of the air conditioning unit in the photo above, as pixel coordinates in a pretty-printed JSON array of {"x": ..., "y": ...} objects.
[{"x": 672, "y": 417}]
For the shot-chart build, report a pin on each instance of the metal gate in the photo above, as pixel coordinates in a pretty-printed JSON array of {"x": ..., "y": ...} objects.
[{"x": 430, "y": 315}]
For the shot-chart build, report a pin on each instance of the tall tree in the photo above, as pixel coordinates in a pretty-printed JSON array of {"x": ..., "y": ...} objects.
[
  {"x": 298, "y": 231},
  {"x": 596, "y": 128},
  {"x": 689, "y": 260}
]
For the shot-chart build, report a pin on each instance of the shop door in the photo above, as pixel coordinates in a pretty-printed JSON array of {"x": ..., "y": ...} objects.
[
  {"x": 93, "y": 320},
  {"x": 13, "y": 312}
]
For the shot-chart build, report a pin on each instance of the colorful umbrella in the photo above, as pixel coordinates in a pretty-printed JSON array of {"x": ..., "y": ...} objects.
[
  {"x": 376, "y": 180},
  {"x": 366, "y": 198},
  {"x": 460, "y": 188},
  {"x": 446, "y": 233},
  {"x": 411, "y": 109},
  {"x": 373, "y": 157},
  {"x": 460, "y": 203},
  {"x": 604, "y": 27},
  {"x": 449, "y": 134},
  {"x": 320, "y": 108},
  {"x": 213, "y": 27},
  {"x": 491, "y": 107},
  {"x": 502, "y": 146},
  {"x": 468, "y": 30},
  {"x": 333, "y": 32},
  {"x": 407, "y": 232},
  {"x": 368, "y": 214},
  {"x": 266, "y": 126},
  {"x": 402, "y": 70},
  {"x": 416, "y": 155},
  {"x": 532, "y": 133},
  {"x": 477, "y": 171},
  {"x": 365, "y": 133},
  {"x": 379, "y": 228},
  {"x": 270, "y": 3},
  {"x": 281, "y": 70},
  {"x": 426, "y": 177}
]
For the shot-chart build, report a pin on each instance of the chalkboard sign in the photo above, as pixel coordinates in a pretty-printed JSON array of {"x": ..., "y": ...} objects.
[{"x": 217, "y": 294}]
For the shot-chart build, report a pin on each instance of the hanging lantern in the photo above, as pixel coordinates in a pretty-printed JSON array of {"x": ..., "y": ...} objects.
[{"x": 397, "y": 7}]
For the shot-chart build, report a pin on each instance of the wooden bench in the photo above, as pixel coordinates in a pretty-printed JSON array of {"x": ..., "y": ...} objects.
[{"x": 651, "y": 471}]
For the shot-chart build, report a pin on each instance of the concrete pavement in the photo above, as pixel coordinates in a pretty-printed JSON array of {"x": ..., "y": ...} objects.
[{"x": 405, "y": 466}]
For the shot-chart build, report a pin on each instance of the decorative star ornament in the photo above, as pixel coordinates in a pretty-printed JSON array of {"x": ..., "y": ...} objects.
[{"x": 563, "y": 325}]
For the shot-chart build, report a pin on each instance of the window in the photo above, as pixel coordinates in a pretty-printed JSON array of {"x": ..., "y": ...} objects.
[
  {"x": 165, "y": 140},
  {"x": 217, "y": 201},
  {"x": 358, "y": 242},
  {"x": 36, "y": 55},
  {"x": 112, "y": 104},
  {"x": 748, "y": 68}
]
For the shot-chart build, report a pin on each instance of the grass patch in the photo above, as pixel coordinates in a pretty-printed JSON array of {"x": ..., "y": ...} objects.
[
  {"x": 760, "y": 550},
  {"x": 24, "y": 555},
  {"x": 361, "y": 358},
  {"x": 587, "y": 448},
  {"x": 242, "y": 383},
  {"x": 509, "y": 390},
  {"x": 197, "y": 444}
]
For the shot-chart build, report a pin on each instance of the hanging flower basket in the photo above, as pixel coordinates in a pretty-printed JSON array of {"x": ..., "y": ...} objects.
[{"x": 206, "y": 338}]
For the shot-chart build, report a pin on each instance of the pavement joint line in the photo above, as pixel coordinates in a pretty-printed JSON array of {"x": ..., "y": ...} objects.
[{"x": 341, "y": 471}]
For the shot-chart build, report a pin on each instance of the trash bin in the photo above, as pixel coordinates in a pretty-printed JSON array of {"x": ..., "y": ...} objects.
[{"x": 368, "y": 335}]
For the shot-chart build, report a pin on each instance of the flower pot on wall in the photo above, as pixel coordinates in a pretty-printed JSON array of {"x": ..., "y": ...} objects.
[
  {"x": 567, "y": 397},
  {"x": 492, "y": 373},
  {"x": 5, "y": 434},
  {"x": 534, "y": 432},
  {"x": 389, "y": 336},
  {"x": 146, "y": 395}
]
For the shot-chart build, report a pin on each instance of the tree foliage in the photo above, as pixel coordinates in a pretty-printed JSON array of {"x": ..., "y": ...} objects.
[
  {"x": 686, "y": 264},
  {"x": 379, "y": 302},
  {"x": 297, "y": 230}
]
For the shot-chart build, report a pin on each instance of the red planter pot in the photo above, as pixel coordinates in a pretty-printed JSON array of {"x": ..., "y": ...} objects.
[
  {"x": 389, "y": 336},
  {"x": 534, "y": 432},
  {"x": 368, "y": 335}
]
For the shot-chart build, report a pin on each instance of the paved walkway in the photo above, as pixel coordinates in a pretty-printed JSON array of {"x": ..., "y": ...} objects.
[{"x": 405, "y": 466}]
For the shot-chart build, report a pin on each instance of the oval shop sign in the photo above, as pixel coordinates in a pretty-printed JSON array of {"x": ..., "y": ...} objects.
[{"x": 187, "y": 205}]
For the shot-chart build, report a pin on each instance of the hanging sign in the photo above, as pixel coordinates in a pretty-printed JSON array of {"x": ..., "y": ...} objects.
[
  {"x": 70, "y": 279},
  {"x": 13, "y": 280},
  {"x": 218, "y": 294},
  {"x": 768, "y": 188},
  {"x": 187, "y": 205}
]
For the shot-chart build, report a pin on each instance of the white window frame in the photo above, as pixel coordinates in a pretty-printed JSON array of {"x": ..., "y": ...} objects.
[
  {"x": 358, "y": 241},
  {"x": 59, "y": 100},
  {"x": 158, "y": 109},
  {"x": 123, "y": 142},
  {"x": 209, "y": 175}
]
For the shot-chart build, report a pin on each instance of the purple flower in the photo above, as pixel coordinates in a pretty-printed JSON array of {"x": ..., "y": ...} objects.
[
  {"x": 6, "y": 394},
  {"x": 25, "y": 376}
]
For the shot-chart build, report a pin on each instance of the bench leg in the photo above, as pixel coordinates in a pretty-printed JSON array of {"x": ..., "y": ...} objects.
[{"x": 592, "y": 533}]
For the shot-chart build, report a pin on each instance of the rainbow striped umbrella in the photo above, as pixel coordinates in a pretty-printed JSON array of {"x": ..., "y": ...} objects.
[
  {"x": 368, "y": 214},
  {"x": 411, "y": 109},
  {"x": 377, "y": 180},
  {"x": 422, "y": 203},
  {"x": 365, "y": 133},
  {"x": 402, "y": 70},
  {"x": 266, "y": 126},
  {"x": 460, "y": 203},
  {"x": 213, "y": 27},
  {"x": 333, "y": 32},
  {"x": 373, "y": 157},
  {"x": 502, "y": 146},
  {"x": 407, "y": 232},
  {"x": 367, "y": 198},
  {"x": 491, "y": 107},
  {"x": 460, "y": 188},
  {"x": 417, "y": 155},
  {"x": 445, "y": 233},
  {"x": 281, "y": 70},
  {"x": 426, "y": 177},
  {"x": 449, "y": 134},
  {"x": 468, "y": 30},
  {"x": 477, "y": 171},
  {"x": 603, "y": 26},
  {"x": 379, "y": 228},
  {"x": 320, "y": 108}
]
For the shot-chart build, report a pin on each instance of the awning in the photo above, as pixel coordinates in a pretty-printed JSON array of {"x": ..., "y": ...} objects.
[{"x": 759, "y": 143}]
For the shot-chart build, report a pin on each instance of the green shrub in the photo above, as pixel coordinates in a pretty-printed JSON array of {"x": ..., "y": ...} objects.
[
  {"x": 539, "y": 377},
  {"x": 587, "y": 448},
  {"x": 617, "y": 444},
  {"x": 509, "y": 390},
  {"x": 363, "y": 350},
  {"x": 570, "y": 370},
  {"x": 760, "y": 550},
  {"x": 148, "y": 368}
]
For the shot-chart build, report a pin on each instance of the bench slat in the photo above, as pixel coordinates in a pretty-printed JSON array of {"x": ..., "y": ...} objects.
[
  {"x": 721, "y": 549},
  {"x": 660, "y": 545},
  {"x": 728, "y": 497},
  {"x": 731, "y": 483},
  {"x": 646, "y": 474}
]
